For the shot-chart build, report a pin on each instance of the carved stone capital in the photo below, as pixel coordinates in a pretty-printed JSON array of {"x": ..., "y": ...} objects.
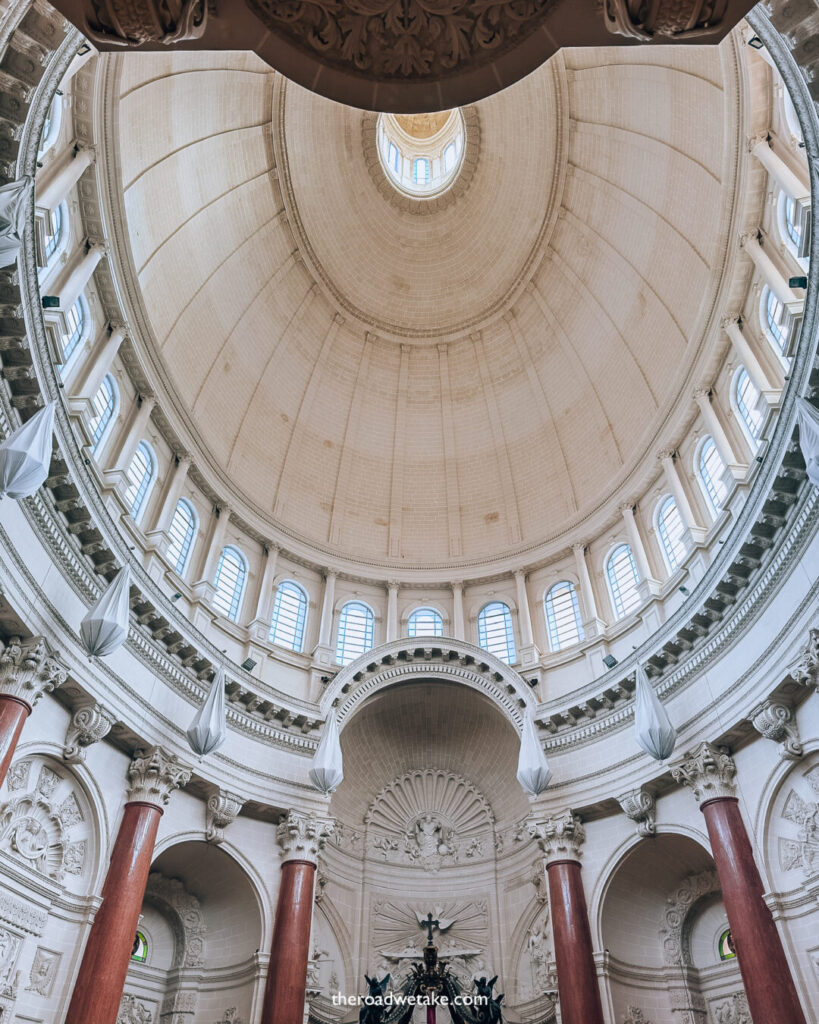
[
  {"x": 666, "y": 453},
  {"x": 806, "y": 668},
  {"x": 27, "y": 669},
  {"x": 702, "y": 393},
  {"x": 709, "y": 771},
  {"x": 641, "y": 807},
  {"x": 153, "y": 775},
  {"x": 301, "y": 836},
  {"x": 223, "y": 808},
  {"x": 774, "y": 720},
  {"x": 727, "y": 321},
  {"x": 561, "y": 836},
  {"x": 757, "y": 139},
  {"x": 90, "y": 723}
]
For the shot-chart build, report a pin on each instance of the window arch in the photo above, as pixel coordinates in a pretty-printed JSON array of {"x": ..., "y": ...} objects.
[
  {"x": 450, "y": 157},
  {"x": 563, "y": 621},
  {"x": 747, "y": 400},
  {"x": 229, "y": 581},
  {"x": 623, "y": 580},
  {"x": 711, "y": 471},
  {"x": 141, "y": 474},
  {"x": 420, "y": 171},
  {"x": 727, "y": 950},
  {"x": 394, "y": 157},
  {"x": 671, "y": 531},
  {"x": 105, "y": 403},
  {"x": 425, "y": 622},
  {"x": 51, "y": 125},
  {"x": 289, "y": 616},
  {"x": 495, "y": 632},
  {"x": 777, "y": 320},
  {"x": 355, "y": 631},
  {"x": 56, "y": 225},
  {"x": 139, "y": 950},
  {"x": 76, "y": 320},
  {"x": 793, "y": 225},
  {"x": 181, "y": 533}
]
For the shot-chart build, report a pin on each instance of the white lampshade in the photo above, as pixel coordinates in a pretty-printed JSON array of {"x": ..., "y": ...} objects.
[
  {"x": 13, "y": 213},
  {"x": 208, "y": 730},
  {"x": 326, "y": 768},
  {"x": 807, "y": 417},
  {"x": 652, "y": 726},
  {"x": 534, "y": 773},
  {"x": 25, "y": 456},
  {"x": 105, "y": 627}
]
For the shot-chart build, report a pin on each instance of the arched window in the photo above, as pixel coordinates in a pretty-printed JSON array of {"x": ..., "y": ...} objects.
[
  {"x": 289, "y": 616},
  {"x": 563, "y": 616},
  {"x": 495, "y": 631},
  {"x": 139, "y": 950},
  {"x": 394, "y": 157},
  {"x": 56, "y": 224},
  {"x": 75, "y": 321},
  {"x": 712, "y": 474},
  {"x": 621, "y": 573},
  {"x": 181, "y": 533},
  {"x": 671, "y": 531},
  {"x": 747, "y": 399},
  {"x": 105, "y": 404},
  {"x": 450, "y": 155},
  {"x": 355, "y": 631},
  {"x": 425, "y": 622},
  {"x": 777, "y": 320},
  {"x": 51, "y": 125},
  {"x": 229, "y": 581},
  {"x": 141, "y": 475},
  {"x": 727, "y": 950},
  {"x": 420, "y": 171},
  {"x": 793, "y": 223}
]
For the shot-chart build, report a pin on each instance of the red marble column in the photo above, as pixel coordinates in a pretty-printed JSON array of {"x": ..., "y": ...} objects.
[
  {"x": 287, "y": 975},
  {"x": 99, "y": 985},
  {"x": 765, "y": 972},
  {"x": 13, "y": 714},
  {"x": 576, "y": 973},
  {"x": 153, "y": 775}
]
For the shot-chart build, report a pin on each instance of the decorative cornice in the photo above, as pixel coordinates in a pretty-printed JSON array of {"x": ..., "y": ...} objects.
[
  {"x": 301, "y": 836},
  {"x": 223, "y": 808},
  {"x": 641, "y": 807},
  {"x": 709, "y": 771},
  {"x": 561, "y": 837},
  {"x": 153, "y": 775},
  {"x": 27, "y": 669},
  {"x": 774, "y": 719}
]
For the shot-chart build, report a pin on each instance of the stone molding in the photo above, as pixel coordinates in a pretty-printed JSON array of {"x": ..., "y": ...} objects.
[
  {"x": 89, "y": 724},
  {"x": 775, "y": 720},
  {"x": 153, "y": 775},
  {"x": 641, "y": 807},
  {"x": 185, "y": 913},
  {"x": 223, "y": 808},
  {"x": 561, "y": 837},
  {"x": 673, "y": 932},
  {"x": 301, "y": 836},
  {"x": 28, "y": 670},
  {"x": 709, "y": 771}
]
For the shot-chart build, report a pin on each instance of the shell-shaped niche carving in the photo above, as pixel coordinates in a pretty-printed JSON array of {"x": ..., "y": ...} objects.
[{"x": 46, "y": 823}]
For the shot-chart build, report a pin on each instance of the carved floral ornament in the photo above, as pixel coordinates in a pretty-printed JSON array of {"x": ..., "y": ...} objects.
[
  {"x": 709, "y": 771},
  {"x": 301, "y": 836},
  {"x": 678, "y": 19},
  {"x": 27, "y": 669},
  {"x": 153, "y": 775},
  {"x": 798, "y": 832},
  {"x": 561, "y": 837}
]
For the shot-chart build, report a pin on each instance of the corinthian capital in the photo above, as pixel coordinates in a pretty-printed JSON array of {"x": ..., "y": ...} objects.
[
  {"x": 153, "y": 775},
  {"x": 301, "y": 836},
  {"x": 731, "y": 318},
  {"x": 561, "y": 836},
  {"x": 709, "y": 771},
  {"x": 27, "y": 669}
]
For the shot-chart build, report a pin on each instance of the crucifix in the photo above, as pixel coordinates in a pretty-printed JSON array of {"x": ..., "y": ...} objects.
[{"x": 429, "y": 922}]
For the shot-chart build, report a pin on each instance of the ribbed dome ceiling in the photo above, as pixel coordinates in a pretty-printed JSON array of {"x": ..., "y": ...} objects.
[{"x": 416, "y": 388}]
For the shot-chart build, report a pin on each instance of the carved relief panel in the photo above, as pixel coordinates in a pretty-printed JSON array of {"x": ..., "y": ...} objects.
[{"x": 793, "y": 841}]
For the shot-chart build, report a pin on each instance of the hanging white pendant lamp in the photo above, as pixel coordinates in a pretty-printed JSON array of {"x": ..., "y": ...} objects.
[
  {"x": 326, "y": 768},
  {"x": 807, "y": 416},
  {"x": 105, "y": 627},
  {"x": 13, "y": 212},
  {"x": 652, "y": 726},
  {"x": 208, "y": 730},
  {"x": 25, "y": 455},
  {"x": 534, "y": 773}
]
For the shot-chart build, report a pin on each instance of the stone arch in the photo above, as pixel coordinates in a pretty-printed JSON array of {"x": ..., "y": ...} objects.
[
  {"x": 788, "y": 823},
  {"x": 184, "y": 913},
  {"x": 452, "y": 660}
]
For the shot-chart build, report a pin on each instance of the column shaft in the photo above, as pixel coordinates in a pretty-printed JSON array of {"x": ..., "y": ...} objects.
[
  {"x": 76, "y": 274},
  {"x": 726, "y": 450},
  {"x": 98, "y": 989},
  {"x": 779, "y": 170},
  {"x": 13, "y": 714},
  {"x": 62, "y": 175},
  {"x": 527, "y": 636},
  {"x": 772, "y": 275},
  {"x": 326, "y": 624},
  {"x": 458, "y": 624},
  {"x": 392, "y": 612},
  {"x": 576, "y": 974},
  {"x": 287, "y": 975},
  {"x": 765, "y": 972},
  {"x": 126, "y": 444},
  {"x": 86, "y": 381}
]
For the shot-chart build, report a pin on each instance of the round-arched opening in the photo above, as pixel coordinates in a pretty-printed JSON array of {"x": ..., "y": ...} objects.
[{"x": 422, "y": 153}]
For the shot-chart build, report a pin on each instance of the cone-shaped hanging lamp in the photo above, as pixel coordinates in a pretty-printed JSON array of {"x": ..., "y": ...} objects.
[
  {"x": 208, "y": 730},
  {"x": 13, "y": 212},
  {"x": 25, "y": 455},
  {"x": 105, "y": 627},
  {"x": 807, "y": 417},
  {"x": 534, "y": 773},
  {"x": 326, "y": 769},
  {"x": 652, "y": 726}
]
